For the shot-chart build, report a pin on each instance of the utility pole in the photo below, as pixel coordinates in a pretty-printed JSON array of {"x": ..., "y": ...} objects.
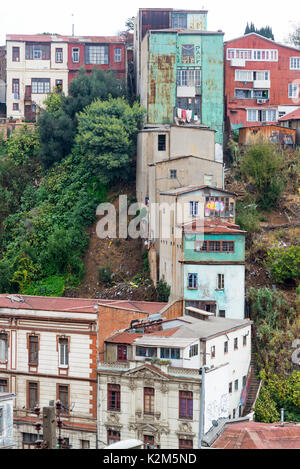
[{"x": 49, "y": 427}]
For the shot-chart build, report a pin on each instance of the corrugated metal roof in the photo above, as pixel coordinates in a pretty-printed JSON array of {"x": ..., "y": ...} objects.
[
  {"x": 61, "y": 38},
  {"x": 80, "y": 305},
  {"x": 156, "y": 341},
  {"x": 254, "y": 435},
  {"x": 295, "y": 115},
  {"x": 212, "y": 227},
  {"x": 187, "y": 189}
]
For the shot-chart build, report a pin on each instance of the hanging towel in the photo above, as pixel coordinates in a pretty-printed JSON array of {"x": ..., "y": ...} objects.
[
  {"x": 179, "y": 112},
  {"x": 189, "y": 116},
  {"x": 183, "y": 115}
]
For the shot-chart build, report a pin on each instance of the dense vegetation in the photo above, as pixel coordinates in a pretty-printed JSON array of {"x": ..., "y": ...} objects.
[{"x": 53, "y": 178}]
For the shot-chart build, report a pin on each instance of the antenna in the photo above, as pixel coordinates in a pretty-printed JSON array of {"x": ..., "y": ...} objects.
[{"x": 73, "y": 26}]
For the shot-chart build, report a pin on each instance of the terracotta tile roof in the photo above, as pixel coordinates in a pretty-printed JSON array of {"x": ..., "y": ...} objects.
[
  {"x": 254, "y": 435},
  {"x": 80, "y": 305},
  {"x": 61, "y": 38},
  {"x": 295, "y": 115},
  {"x": 213, "y": 226}
]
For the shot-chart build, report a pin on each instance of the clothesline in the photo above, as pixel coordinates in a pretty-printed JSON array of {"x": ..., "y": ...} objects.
[{"x": 186, "y": 115}]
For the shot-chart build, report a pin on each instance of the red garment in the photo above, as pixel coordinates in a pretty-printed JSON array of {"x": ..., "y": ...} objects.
[{"x": 183, "y": 114}]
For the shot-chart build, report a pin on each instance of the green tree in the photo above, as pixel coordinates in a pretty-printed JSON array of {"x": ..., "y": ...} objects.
[
  {"x": 284, "y": 264},
  {"x": 262, "y": 165},
  {"x": 22, "y": 145},
  {"x": 107, "y": 136}
]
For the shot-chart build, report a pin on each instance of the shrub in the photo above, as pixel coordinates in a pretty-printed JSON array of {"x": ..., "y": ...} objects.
[
  {"x": 104, "y": 274},
  {"x": 262, "y": 165},
  {"x": 284, "y": 264},
  {"x": 163, "y": 291},
  {"x": 247, "y": 217}
]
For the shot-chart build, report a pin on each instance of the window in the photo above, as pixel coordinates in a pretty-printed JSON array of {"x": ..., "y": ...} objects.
[
  {"x": 233, "y": 414},
  {"x": 3, "y": 347},
  {"x": 221, "y": 282},
  {"x": 260, "y": 94},
  {"x": 185, "y": 444},
  {"x": 33, "y": 350},
  {"x": 32, "y": 397},
  {"x": 16, "y": 88},
  {"x": 75, "y": 55},
  {"x": 85, "y": 444},
  {"x": 179, "y": 21},
  {"x": 149, "y": 401},
  {"x": 261, "y": 115},
  {"x": 59, "y": 85},
  {"x": 16, "y": 54},
  {"x": 186, "y": 405},
  {"x": 173, "y": 353},
  {"x": 186, "y": 77},
  {"x": 173, "y": 174},
  {"x": 149, "y": 442},
  {"x": 15, "y": 106},
  {"x": 256, "y": 55},
  {"x": 63, "y": 397},
  {"x": 40, "y": 85},
  {"x": 243, "y": 94},
  {"x": 194, "y": 209},
  {"x": 226, "y": 347},
  {"x": 228, "y": 246},
  {"x": 219, "y": 207},
  {"x": 3, "y": 385},
  {"x": 236, "y": 385},
  {"x": 122, "y": 353},
  {"x": 59, "y": 55},
  {"x": 161, "y": 143},
  {"x": 96, "y": 55},
  {"x": 236, "y": 344},
  {"x": 147, "y": 352},
  {"x": 187, "y": 54},
  {"x": 113, "y": 397},
  {"x": 37, "y": 52},
  {"x": 191, "y": 104},
  {"x": 293, "y": 90},
  {"x": 244, "y": 341},
  {"x": 208, "y": 180},
  {"x": 214, "y": 246},
  {"x": 295, "y": 63},
  {"x": 28, "y": 440},
  {"x": 222, "y": 313},
  {"x": 213, "y": 352},
  {"x": 193, "y": 281},
  {"x": 193, "y": 352},
  {"x": 118, "y": 55},
  {"x": 113, "y": 437},
  {"x": 63, "y": 352},
  {"x": 230, "y": 388}
]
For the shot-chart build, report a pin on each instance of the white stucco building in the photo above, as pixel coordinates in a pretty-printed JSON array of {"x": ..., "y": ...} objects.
[
  {"x": 35, "y": 66},
  {"x": 150, "y": 386}
]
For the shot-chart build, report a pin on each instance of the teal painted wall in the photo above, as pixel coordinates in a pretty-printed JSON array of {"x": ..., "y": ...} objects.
[
  {"x": 213, "y": 84},
  {"x": 191, "y": 255},
  {"x": 165, "y": 59}
]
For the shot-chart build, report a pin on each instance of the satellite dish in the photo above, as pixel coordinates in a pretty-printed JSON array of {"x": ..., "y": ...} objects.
[{"x": 215, "y": 423}]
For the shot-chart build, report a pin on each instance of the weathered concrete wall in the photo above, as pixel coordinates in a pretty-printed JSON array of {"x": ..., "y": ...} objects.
[{"x": 6, "y": 408}]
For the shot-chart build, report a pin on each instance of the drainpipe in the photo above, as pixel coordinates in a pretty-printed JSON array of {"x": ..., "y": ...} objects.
[
  {"x": 282, "y": 418},
  {"x": 202, "y": 404},
  {"x": 97, "y": 412}
]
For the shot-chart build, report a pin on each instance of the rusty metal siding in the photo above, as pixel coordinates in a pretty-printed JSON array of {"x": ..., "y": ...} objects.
[
  {"x": 162, "y": 78},
  {"x": 250, "y": 135},
  {"x": 155, "y": 20}
]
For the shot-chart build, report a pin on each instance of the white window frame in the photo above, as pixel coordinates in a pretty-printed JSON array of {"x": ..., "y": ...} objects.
[
  {"x": 75, "y": 50},
  {"x": 221, "y": 282},
  {"x": 3, "y": 348},
  {"x": 293, "y": 90},
  {"x": 194, "y": 281},
  {"x": 188, "y": 77},
  {"x": 118, "y": 55},
  {"x": 294, "y": 63},
  {"x": 194, "y": 208},
  {"x": 64, "y": 353},
  {"x": 268, "y": 115},
  {"x": 250, "y": 75},
  {"x": 252, "y": 55}
]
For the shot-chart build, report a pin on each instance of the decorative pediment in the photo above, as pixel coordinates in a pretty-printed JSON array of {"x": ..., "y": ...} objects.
[
  {"x": 113, "y": 422},
  {"x": 185, "y": 430},
  {"x": 145, "y": 373}
]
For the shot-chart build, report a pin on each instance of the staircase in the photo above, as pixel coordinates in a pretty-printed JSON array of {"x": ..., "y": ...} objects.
[{"x": 254, "y": 386}]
